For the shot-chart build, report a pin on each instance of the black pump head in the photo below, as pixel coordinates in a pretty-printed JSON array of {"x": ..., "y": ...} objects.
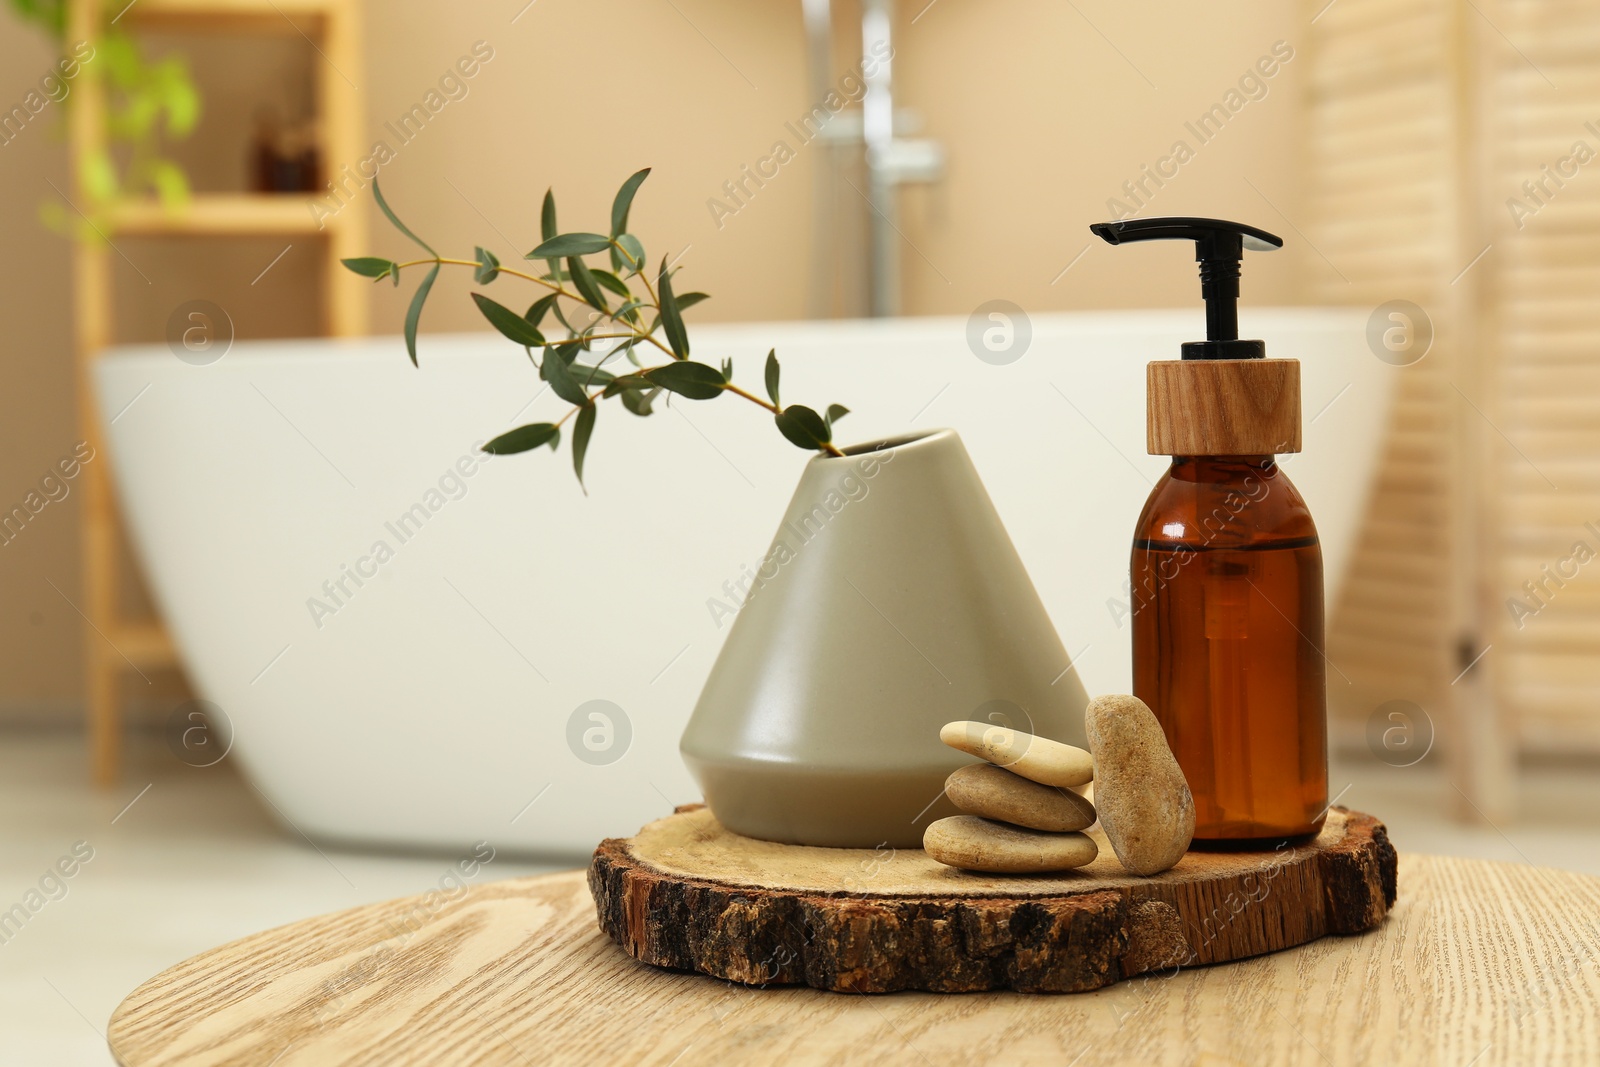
[{"x": 1219, "y": 248}]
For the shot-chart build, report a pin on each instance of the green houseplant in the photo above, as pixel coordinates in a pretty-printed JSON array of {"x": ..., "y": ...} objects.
[
  {"x": 604, "y": 320},
  {"x": 148, "y": 102}
]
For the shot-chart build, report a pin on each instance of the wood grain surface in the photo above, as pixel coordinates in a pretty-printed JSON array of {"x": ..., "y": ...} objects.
[
  {"x": 686, "y": 893},
  {"x": 1479, "y": 963},
  {"x": 1222, "y": 407}
]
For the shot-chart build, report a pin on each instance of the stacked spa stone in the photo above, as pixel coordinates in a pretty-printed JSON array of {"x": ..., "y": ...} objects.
[{"x": 1026, "y": 817}]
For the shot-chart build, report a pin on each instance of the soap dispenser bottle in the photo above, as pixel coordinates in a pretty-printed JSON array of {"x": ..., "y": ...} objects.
[{"x": 1226, "y": 570}]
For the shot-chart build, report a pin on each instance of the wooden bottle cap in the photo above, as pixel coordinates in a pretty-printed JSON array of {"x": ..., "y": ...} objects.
[{"x": 1222, "y": 407}]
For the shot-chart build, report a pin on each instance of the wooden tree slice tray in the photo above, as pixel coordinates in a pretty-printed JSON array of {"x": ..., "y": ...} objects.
[{"x": 685, "y": 893}]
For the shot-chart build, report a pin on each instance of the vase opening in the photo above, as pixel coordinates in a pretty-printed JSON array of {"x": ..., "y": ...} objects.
[{"x": 886, "y": 443}]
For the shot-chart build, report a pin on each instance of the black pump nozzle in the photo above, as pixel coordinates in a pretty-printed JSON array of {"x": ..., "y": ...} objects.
[{"x": 1219, "y": 248}]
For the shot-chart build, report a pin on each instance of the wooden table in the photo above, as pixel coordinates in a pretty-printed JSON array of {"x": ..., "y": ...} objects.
[{"x": 1479, "y": 963}]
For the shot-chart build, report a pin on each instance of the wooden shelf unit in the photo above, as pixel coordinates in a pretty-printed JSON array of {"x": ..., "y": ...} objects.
[
  {"x": 223, "y": 215},
  {"x": 283, "y": 17},
  {"x": 115, "y": 644}
]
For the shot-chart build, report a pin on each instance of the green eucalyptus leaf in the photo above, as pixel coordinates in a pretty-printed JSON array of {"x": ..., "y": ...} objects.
[
  {"x": 580, "y": 439},
  {"x": 547, "y": 216},
  {"x": 623, "y": 382},
  {"x": 371, "y": 267},
  {"x": 536, "y": 310},
  {"x": 623, "y": 349},
  {"x": 612, "y": 282},
  {"x": 547, "y": 227},
  {"x": 624, "y": 201},
  {"x": 558, "y": 373},
  {"x": 689, "y": 300},
  {"x": 727, "y": 369},
  {"x": 525, "y": 438},
  {"x": 488, "y": 268},
  {"x": 627, "y": 253},
  {"x": 803, "y": 426},
  {"x": 639, "y": 402},
  {"x": 570, "y": 244},
  {"x": 772, "y": 377},
  {"x": 383, "y": 205},
  {"x": 693, "y": 380},
  {"x": 677, "y": 337},
  {"x": 508, "y": 322},
  {"x": 584, "y": 281},
  {"x": 835, "y": 413},
  {"x": 589, "y": 377},
  {"x": 555, "y": 309},
  {"x": 414, "y": 312}
]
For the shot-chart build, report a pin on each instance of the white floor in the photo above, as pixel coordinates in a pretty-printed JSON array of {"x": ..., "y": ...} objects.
[{"x": 197, "y": 859}]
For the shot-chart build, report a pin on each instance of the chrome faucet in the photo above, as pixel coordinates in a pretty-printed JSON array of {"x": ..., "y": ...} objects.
[{"x": 892, "y": 160}]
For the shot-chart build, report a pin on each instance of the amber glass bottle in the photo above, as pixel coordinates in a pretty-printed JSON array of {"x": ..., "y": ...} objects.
[
  {"x": 1228, "y": 645},
  {"x": 1227, "y": 571}
]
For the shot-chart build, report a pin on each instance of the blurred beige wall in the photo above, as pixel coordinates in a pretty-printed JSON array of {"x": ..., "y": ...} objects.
[
  {"x": 1044, "y": 110},
  {"x": 40, "y": 633}
]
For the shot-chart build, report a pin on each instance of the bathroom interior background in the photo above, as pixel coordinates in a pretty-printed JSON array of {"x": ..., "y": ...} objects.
[{"x": 1044, "y": 112}]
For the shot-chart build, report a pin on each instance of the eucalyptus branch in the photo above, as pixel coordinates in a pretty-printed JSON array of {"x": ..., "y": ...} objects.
[{"x": 566, "y": 259}]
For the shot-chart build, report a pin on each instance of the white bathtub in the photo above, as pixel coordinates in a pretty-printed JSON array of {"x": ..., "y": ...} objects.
[{"x": 430, "y": 705}]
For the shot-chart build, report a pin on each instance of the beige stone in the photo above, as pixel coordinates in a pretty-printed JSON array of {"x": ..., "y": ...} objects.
[
  {"x": 995, "y": 793},
  {"x": 977, "y": 844},
  {"x": 1146, "y": 810},
  {"x": 1037, "y": 759}
]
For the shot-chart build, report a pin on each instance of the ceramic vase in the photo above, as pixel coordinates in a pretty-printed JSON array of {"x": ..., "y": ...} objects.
[{"x": 890, "y": 603}]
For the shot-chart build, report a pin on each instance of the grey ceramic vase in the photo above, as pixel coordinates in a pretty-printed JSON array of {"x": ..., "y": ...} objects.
[{"x": 890, "y": 603}]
